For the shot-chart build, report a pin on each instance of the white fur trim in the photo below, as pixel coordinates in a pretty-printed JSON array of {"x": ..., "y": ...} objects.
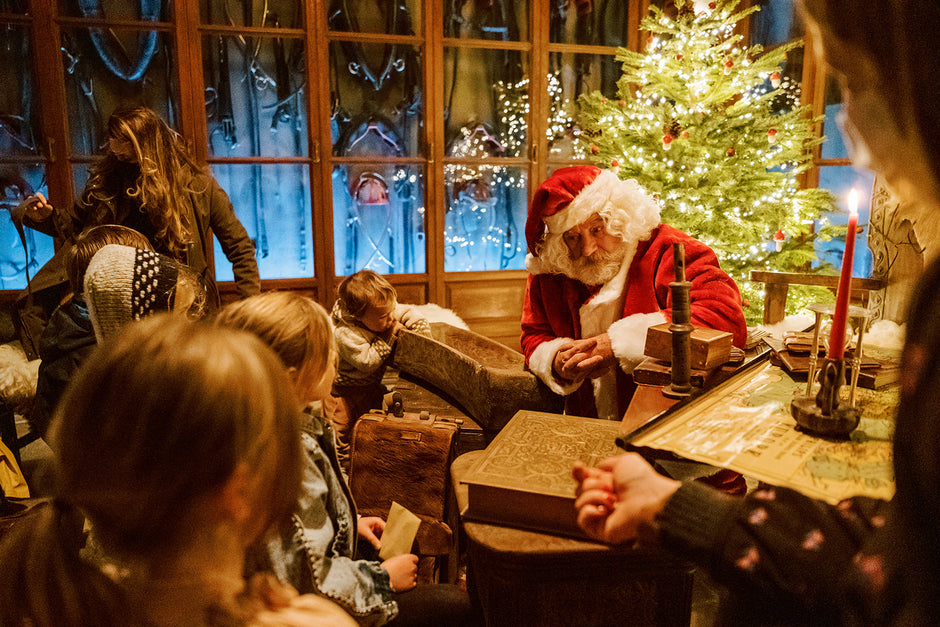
[
  {"x": 540, "y": 363},
  {"x": 625, "y": 196},
  {"x": 628, "y": 337},
  {"x": 605, "y": 396},
  {"x": 597, "y": 316},
  {"x": 535, "y": 265},
  {"x": 18, "y": 376}
]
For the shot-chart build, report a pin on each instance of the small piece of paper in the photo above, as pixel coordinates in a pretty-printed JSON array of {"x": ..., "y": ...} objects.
[{"x": 399, "y": 533}]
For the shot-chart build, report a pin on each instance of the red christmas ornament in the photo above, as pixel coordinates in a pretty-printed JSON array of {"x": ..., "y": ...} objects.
[
  {"x": 775, "y": 80},
  {"x": 667, "y": 141},
  {"x": 728, "y": 65},
  {"x": 685, "y": 134},
  {"x": 730, "y": 152},
  {"x": 772, "y": 135},
  {"x": 594, "y": 149},
  {"x": 712, "y": 6},
  {"x": 621, "y": 102},
  {"x": 614, "y": 163},
  {"x": 679, "y": 57},
  {"x": 779, "y": 239}
]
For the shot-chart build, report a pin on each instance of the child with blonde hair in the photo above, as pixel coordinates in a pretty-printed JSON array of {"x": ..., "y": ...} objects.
[
  {"x": 368, "y": 318},
  {"x": 325, "y": 548},
  {"x": 180, "y": 446}
]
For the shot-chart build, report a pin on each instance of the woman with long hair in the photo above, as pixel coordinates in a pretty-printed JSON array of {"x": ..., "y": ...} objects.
[{"x": 148, "y": 181}]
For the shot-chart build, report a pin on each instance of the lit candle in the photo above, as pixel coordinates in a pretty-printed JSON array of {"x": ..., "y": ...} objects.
[{"x": 837, "y": 336}]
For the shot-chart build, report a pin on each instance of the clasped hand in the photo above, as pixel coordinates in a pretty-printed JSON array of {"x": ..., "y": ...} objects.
[
  {"x": 584, "y": 359},
  {"x": 618, "y": 501}
]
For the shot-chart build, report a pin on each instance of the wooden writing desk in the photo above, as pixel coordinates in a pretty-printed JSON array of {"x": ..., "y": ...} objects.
[
  {"x": 529, "y": 578},
  {"x": 647, "y": 402}
]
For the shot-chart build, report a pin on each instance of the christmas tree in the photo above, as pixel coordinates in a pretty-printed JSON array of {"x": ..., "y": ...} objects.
[{"x": 708, "y": 124}]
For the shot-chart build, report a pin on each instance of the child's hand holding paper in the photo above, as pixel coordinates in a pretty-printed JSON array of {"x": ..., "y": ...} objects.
[{"x": 399, "y": 533}]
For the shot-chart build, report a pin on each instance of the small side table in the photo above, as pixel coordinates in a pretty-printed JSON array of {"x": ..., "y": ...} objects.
[{"x": 529, "y": 578}]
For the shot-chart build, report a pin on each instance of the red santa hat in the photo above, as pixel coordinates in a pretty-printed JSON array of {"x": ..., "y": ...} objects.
[{"x": 572, "y": 195}]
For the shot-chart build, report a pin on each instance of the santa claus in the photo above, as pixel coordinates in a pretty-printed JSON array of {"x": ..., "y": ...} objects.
[{"x": 600, "y": 264}]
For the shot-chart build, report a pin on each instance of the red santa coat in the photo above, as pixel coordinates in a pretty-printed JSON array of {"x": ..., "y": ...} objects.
[{"x": 558, "y": 308}]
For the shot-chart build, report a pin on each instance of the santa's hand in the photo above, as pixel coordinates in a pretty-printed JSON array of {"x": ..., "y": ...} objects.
[
  {"x": 588, "y": 358},
  {"x": 562, "y": 355},
  {"x": 573, "y": 364},
  {"x": 585, "y": 366},
  {"x": 575, "y": 351}
]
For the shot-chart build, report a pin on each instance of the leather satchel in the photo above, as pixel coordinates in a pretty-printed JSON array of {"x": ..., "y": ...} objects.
[{"x": 405, "y": 458}]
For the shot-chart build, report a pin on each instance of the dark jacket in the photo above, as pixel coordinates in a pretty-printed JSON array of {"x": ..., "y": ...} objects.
[
  {"x": 210, "y": 210},
  {"x": 65, "y": 344}
]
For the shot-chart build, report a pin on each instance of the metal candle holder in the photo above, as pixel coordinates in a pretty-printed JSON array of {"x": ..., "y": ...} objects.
[
  {"x": 824, "y": 414},
  {"x": 680, "y": 329}
]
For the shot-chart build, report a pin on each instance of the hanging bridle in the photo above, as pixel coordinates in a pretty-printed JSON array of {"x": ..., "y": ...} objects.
[
  {"x": 109, "y": 48},
  {"x": 398, "y": 22}
]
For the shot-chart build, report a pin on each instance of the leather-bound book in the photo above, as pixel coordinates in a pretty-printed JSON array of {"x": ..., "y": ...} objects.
[{"x": 523, "y": 479}]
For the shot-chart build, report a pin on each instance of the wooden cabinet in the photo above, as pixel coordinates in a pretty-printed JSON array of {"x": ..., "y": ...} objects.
[{"x": 406, "y": 136}]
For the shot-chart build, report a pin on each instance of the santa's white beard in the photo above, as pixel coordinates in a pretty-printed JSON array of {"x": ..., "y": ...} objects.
[{"x": 596, "y": 269}]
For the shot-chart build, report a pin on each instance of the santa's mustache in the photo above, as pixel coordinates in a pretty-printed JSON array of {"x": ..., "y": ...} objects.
[{"x": 597, "y": 268}]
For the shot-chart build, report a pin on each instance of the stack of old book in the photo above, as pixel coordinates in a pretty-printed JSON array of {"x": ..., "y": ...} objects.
[
  {"x": 710, "y": 350},
  {"x": 878, "y": 366}
]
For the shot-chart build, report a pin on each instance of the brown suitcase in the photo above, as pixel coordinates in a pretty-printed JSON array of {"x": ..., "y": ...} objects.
[{"x": 405, "y": 458}]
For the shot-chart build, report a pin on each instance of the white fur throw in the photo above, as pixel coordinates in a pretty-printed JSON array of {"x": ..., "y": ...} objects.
[
  {"x": 436, "y": 313},
  {"x": 17, "y": 375}
]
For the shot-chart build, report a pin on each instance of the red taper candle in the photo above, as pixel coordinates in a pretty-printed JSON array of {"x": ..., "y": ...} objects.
[{"x": 837, "y": 336}]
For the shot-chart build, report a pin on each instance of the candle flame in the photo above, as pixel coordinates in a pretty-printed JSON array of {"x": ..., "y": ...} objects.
[{"x": 853, "y": 201}]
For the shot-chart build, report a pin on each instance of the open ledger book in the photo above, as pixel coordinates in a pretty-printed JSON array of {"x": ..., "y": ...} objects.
[{"x": 523, "y": 479}]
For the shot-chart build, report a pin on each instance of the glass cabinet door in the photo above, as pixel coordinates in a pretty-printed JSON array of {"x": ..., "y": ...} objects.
[
  {"x": 377, "y": 129},
  {"x": 576, "y": 30},
  {"x": 486, "y": 117},
  {"x": 258, "y": 130},
  {"x": 256, "y": 112},
  {"x": 22, "y": 158}
]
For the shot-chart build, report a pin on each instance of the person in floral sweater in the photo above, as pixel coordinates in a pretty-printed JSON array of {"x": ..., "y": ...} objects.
[{"x": 787, "y": 558}]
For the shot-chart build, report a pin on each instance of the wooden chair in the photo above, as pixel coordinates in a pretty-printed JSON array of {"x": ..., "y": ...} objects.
[{"x": 777, "y": 284}]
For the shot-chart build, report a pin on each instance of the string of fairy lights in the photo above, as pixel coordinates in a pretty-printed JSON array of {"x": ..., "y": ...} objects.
[{"x": 480, "y": 230}]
